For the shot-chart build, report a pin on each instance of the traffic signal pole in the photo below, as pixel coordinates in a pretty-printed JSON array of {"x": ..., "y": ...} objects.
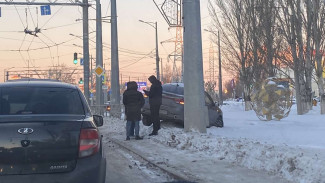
[
  {"x": 99, "y": 54},
  {"x": 86, "y": 49}
]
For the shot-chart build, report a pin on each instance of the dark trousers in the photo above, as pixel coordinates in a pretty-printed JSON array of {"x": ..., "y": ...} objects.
[
  {"x": 154, "y": 110},
  {"x": 132, "y": 126}
]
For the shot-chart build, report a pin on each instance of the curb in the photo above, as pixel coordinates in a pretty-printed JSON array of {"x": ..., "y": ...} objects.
[{"x": 173, "y": 173}]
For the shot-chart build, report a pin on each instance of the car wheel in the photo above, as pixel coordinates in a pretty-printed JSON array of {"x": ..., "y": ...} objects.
[
  {"x": 146, "y": 120},
  {"x": 219, "y": 122}
]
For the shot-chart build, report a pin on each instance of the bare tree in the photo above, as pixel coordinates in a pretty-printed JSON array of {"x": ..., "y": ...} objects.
[
  {"x": 296, "y": 21},
  {"x": 62, "y": 73},
  {"x": 318, "y": 14},
  {"x": 259, "y": 37},
  {"x": 168, "y": 74},
  {"x": 296, "y": 15},
  {"x": 210, "y": 89},
  {"x": 233, "y": 23}
]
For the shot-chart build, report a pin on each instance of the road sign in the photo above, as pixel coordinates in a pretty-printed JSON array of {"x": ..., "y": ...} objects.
[
  {"x": 99, "y": 71},
  {"x": 104, "y": 87},
  {"x": 0, "y": 11},
  {"x": 81, "y": 61},
  {"x": 103, "y": 78},
  {"x": 141, "y": 85},
  {"x": 46, "y": 10}
]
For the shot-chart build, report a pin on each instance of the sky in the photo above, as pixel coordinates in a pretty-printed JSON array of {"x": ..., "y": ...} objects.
[{"x": 60, "y": 36}]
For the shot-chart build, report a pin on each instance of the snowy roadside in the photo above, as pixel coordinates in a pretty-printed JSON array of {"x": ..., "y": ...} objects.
[{"x": 250, "y": 143}]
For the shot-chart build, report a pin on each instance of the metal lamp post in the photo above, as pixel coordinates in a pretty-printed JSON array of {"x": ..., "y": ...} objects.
[
  {"x": 220, "y": 74},
  {"x": 154, "y": 25}
]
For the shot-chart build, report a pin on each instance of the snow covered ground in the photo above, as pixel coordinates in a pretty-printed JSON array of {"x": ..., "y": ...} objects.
[{"x": 293, "y": 148}]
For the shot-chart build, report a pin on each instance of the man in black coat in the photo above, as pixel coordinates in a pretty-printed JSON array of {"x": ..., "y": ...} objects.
[
  {"x": 133, "y": 101},
  {"x": 155, "y": 97}
]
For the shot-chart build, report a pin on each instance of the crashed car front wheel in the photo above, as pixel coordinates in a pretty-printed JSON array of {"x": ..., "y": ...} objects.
[{"x": 219, "y": 122}]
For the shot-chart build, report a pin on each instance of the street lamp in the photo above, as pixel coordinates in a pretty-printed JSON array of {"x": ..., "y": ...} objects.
[
  {"x": 154, "y": 25},
  {"x": 220, "y": 75}
]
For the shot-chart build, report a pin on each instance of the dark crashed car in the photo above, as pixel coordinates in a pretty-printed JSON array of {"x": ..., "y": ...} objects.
[
  {"x": 172, "y": 108},
  {"x": 48, "y": 134}
]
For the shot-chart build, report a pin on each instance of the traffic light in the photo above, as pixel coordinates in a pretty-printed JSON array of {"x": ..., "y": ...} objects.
[
  {"x": 81, "y": 81},
  {"x": 75, "y": 58}
]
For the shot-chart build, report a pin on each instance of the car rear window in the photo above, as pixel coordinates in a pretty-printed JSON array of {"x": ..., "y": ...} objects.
[
  {"x": 180, "y": 90},
  {"x": 166, "y": 88},
  {"x": 32, "y": 100}
]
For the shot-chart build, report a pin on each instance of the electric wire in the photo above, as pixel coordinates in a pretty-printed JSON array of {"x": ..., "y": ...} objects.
[
  {"x": 22, "y": 42},
  {"x": 61, "y": 26},
  {"x": 136, "y": 61},
  {"x": 52, "y": 17},
  {"x": 30, "y": 13},
  {"x": 30, "y": 43},
  {"x": 109, "y": 4},
  {"x": 21, "y": 20},
  {"x": 14, "y": 39},
  {"x": 48, "y": 38}
]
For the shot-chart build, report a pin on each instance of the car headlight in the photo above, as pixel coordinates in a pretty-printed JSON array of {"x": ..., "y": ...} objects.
[{"x": 218, "y": 110}]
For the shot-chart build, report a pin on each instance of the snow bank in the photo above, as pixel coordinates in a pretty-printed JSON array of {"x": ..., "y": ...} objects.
[{"x": 292, "y": 148}]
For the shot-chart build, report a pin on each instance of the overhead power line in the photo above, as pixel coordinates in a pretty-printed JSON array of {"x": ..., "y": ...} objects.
[{"x": 136, "y": 61}]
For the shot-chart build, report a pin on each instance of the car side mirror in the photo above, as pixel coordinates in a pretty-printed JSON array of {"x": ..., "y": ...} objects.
[{"x": 99, "y": 120}]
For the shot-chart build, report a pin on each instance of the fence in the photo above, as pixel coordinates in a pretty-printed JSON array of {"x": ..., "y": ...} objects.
[{"x": 102, "y": 110}]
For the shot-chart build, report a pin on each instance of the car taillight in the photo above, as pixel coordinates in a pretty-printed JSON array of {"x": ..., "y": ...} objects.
[
  {"x": 89, "y": 142},
  {"x": 179, "y": 101}
]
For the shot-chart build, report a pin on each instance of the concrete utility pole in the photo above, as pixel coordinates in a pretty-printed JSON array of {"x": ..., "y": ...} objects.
[
  {"x": 86, "y": 49},
  {"x": 162, "y": 72},
  {"x": 220, "y": 74},
  {"x": 154, "y": 25},
  {"x": 115, "y": 85},
  {"x": 157, "y": 53},
  {"x": 99, "y": 53},
  {"x": 195, "y": 111},
  {"x": 91, "y": 71}
]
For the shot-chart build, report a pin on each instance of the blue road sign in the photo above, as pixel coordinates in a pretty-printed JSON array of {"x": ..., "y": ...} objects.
[
  {"x": 0, "y": 11},
  {"x": 141, "y": 85},
  {"x": 46, "y": 10},
  {"x": 81, "y": 61}
]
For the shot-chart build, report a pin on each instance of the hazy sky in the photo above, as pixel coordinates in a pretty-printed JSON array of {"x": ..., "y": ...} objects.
[{"x": 135, "y": 38}]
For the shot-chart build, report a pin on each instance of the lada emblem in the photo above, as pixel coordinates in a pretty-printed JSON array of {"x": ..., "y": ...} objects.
[{"x": 25, "y": 131}]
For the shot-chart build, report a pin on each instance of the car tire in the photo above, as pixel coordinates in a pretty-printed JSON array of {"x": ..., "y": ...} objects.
[
  {"x": 219, "y": 122},
  {"x": 146, "y": 120}
]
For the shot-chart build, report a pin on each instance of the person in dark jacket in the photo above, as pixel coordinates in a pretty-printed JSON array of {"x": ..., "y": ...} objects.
[
  {"x": 133, "y": 101},
  {"x": 155, "y": 98}
]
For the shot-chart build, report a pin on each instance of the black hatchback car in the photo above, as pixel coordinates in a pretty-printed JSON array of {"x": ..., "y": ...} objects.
[
  {"x": 172, "y": 108},
  {"x": 48, "y": 134}
]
